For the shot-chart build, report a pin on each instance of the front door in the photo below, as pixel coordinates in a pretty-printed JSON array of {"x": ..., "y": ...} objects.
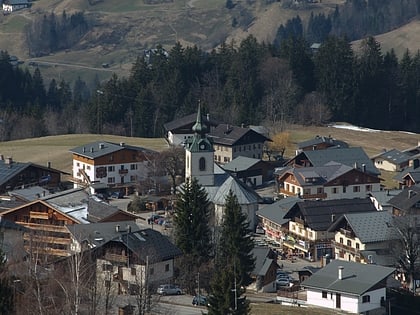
[{"x": 337, "y": 300}]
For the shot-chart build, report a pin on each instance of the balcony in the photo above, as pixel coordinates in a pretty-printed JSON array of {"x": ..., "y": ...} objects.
[
  {"x": 346, "y": 248},
  {"x": 116, "y": 258},
  {"x": 347, "y": 233},
  {"x": 123, "y": 171}
]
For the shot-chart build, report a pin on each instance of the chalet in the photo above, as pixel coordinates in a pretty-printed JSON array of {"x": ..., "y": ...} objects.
[
  {"x": 271, "y": 218},
  {"x": 407, "y": 202},
  {"x": 178, "y": 131},
  {"x": 391, "y": 160},
  {"x": 46, "y": 237},
  {"x": 364, "y": 237},
  {"x": 410, "y": 175},
  {"x": 330, "y": 181},
  {"x": 264, "y": 273},
  {"x": 252, "y": 172},
  {"x": 348, "y": 286},
  {"x": 230, "y": 142},
  {"x": 354, "y": 157},
  {"x": 320, "y": 143},
  {"x": 14, "y": 175},
  {"x": 127, "y": 256},
  {"x": 99, "y": 211},
  {"x": 309, "y": 221},
  {"x": 381, "y": 198},
  {"x": 10, "y": 6},
  {"x": 116, "y": 165}
]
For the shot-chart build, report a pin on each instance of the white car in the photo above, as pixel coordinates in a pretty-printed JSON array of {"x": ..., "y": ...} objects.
[{"x": 169, "y": 289}]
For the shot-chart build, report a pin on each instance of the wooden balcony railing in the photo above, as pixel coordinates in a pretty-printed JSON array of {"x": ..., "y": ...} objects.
[{"x": 116, "y": 258}]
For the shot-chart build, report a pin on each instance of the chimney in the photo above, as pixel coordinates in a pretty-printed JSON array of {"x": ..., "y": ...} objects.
[
  {"x": 122, "y": 144},
  {"x": 1, "y": 157},
  {"x": 8, "y": 161},
  {"x": 208, "y": 117},
  {"x": 91, "y": 149},
  {"x": 84, "y": 149},
  {"x": 355, "y": 165},
  {"x": 128, "y": 228},
  {"x": 117, "y": 228},
  {"x": 101, "y": 146},
  {"x": 340, "y": 272},
  {"x": 49, "y": 164},
  {"x": 364, "y": 168},
  {"x": 411, "y": 193},
  {"x": 415, "y": 163}
]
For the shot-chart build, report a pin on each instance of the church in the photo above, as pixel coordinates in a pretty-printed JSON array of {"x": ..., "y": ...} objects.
[{"x": 200, "y": 164}]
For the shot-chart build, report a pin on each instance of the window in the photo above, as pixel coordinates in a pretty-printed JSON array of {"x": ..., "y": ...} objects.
[
  {"x": 202, "y": 164},
  {"x": 77, "y": 164},
  {"x": 111, "y": 180},
  {"x": 344, "y": 189},
  {"x": 133, "y": 167},
  {"x": 111, "y": 168},
  {"x": 167, "y": 267},
  {"x": 151, "y": 271},
  {"x": 366, "y": 299},
  {"x": 349, "y": 243},
  {"x": 335, "y": 190},
  {"x": 356, "y": 188},
  {"x": 324, "y": 294},
  {"x": 341, "y": 240},
  {"x": 106, "y": 267},
  {"x": 368, "y": 187},
  {"x": 357, "y": 246},
  {"x": 133, "y": 271},
  {"x": 133, "y": 178},
  {"x": 320, "y": 190},
  {"x": 88, "y": 167},
  {"x": 306, "y": 191}
]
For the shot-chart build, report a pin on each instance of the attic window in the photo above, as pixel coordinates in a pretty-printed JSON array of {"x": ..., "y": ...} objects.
[{"x": 202, "y": 164}]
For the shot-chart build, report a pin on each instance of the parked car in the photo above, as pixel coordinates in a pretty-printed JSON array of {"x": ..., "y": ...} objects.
[
  {"x": 169, "y": 289},
  {"x": 117, "y": 195},
  {"x": 282, "y": 282},
  {"x": 200, "y": 300},
  {"x": 153, "y": 218}
]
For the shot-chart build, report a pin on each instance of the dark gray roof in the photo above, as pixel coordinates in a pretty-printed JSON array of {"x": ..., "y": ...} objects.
[
  {"x": 411, "y": 171},
  {"x": 407, "y": 198},
  {"x": 99, "y": 210},
  {"x": 230, "y": 135},
  {"x": 150, "y": 244},
  {"x": 382, "y": 197},
  {"x": 352, "y": 157},
  {"x": 29, "y": 193},
  {"x": 321, "y": 139},
  {"x": 100, "y": 148},
  {"x": 97, "y": 234},
  {"x": 394, "y": 156},
  {"x": 245, "y": 194},
  {"x": 240, "y": 163},
  {"x": 357, "y": 278},
  {"x": 262, "y": 260},
  {"x": 320, "y": 214},
  {"x": 8, "y": 203},
  {"x": 319, "y": 175},
  {"x": 369, "y": 227},
  {"x": 276, "y": 211},
  {"x": 187, "y": 122},
  {"x": 69, "y": 197}
]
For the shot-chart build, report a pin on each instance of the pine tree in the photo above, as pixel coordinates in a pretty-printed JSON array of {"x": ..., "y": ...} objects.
[
  {"x": 6, "y": 293},
  {"x": 192, "y": 231},
  {"x": 234, "y": 262}
]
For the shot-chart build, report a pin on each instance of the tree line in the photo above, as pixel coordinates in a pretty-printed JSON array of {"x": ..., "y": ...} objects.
[{"x": 248, "y": 83}]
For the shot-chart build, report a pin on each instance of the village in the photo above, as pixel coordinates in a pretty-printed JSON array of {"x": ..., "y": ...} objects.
[{"x": 327, "y": 233}]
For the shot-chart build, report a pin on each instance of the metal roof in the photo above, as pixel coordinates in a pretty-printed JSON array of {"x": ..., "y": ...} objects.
[
  {"x": 97, "y": 149},
  {"x": 394, "y": 156},
  {"x": 320, "y": 214},
  {"x": 320, "y": 174},
  {"x": 240, "y": 163},
  {"x": 276, "y": 211},
  {"x": 407, "y": 198},
  {"x": 245, "y": 194},
  {"x": 357, "y": 278},
  {"x": 352, "y": 157},
  {"x": 229, "y": 135},
  {"x": 369, "y": 227},
  {"x": 321, "y": 139}
]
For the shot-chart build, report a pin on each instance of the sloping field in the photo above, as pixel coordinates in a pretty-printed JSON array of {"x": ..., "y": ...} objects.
[
  {"x": 55, "y": 149},
  {"x": 401, "y": 39}
]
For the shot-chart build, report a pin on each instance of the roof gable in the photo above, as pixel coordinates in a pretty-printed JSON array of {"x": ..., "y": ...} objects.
[
  {"x": 320, "y": 214},
  {"x": 357, "y": 278},
  {"x": 230, "y": 135},
  {"x": 409, "y": 197}
]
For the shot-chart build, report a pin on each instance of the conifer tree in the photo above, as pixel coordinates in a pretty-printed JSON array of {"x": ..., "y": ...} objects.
[
  {"x": 192, "y": 231},
  {"x": 234, "y": 262}
]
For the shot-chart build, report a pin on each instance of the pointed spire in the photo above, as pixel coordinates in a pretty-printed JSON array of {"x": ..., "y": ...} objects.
[{"x": 199, "y": 127}]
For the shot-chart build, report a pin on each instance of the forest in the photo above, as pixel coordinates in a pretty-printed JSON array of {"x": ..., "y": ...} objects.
[{"x": 239, "y": 83}]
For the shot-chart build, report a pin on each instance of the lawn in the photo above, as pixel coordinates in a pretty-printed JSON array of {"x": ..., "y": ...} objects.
[{"x": 278, "y": 309}]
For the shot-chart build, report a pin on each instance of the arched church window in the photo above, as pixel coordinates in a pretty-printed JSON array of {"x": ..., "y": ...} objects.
[{"x": 202, "y": 164}]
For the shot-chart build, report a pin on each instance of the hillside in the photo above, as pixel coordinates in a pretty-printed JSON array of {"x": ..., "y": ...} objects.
[{"x": 122, "y": 30}]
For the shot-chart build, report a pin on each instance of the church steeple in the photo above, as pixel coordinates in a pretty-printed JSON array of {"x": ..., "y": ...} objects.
[
  {"x": 199, "y": 153},
  {"x": 199, "y": 127}
]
